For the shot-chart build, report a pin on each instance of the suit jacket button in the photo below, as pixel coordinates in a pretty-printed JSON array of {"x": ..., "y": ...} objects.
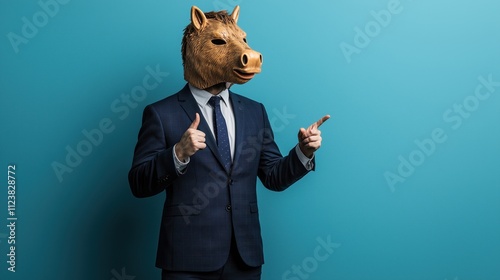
[
  {"x": 228, "y": 208},
  {"x": 164, "y": 179}
]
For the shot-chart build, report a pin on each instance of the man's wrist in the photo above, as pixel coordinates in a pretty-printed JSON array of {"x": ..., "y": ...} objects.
[
  {"x": 178, "y": 154},
  {"x": 306, "y": 161},
  {"x": 180, "y": 165},
  {"x": 304, "y": 152}
]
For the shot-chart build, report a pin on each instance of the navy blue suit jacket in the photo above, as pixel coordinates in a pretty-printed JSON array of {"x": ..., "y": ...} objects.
[{"x": 207, "y": 204}]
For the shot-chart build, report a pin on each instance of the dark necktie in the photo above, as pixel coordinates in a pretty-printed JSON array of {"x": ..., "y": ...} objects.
[{"x": 221, "y": 134}]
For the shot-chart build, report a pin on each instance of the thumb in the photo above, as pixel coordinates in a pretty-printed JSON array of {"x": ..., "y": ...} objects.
[
  {"x": 196, "y": 122},
  {"x": 302, "y": 133}
]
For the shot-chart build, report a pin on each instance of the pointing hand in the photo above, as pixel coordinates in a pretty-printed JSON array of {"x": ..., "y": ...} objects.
[{"x": 310, "y": 138}]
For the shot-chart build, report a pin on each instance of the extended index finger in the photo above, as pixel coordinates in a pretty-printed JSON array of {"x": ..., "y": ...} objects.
[{"x": 322, "y": 120}]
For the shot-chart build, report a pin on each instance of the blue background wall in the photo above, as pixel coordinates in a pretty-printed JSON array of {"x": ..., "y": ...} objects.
[{"x": 407, "y": 183}]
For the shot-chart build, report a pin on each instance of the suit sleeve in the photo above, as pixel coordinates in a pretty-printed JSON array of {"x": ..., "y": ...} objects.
[
  {"x": 276, "y": 172},
  {"x": 153, "y": 167}
]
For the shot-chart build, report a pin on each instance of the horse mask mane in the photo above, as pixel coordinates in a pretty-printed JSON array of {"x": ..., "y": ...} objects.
[{"x": 215, "y": 50}]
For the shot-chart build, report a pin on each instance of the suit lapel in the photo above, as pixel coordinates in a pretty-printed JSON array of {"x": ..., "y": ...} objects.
[
  {"x": 239, "y": 119},
  {"x": 190, "y": 106}
]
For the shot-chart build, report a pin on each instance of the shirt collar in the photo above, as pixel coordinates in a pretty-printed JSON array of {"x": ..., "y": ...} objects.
[{"x": 202, "y": 96}]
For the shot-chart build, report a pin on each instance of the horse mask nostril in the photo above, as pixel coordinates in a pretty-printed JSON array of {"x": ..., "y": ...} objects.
[{"x": 244, "y": 59}]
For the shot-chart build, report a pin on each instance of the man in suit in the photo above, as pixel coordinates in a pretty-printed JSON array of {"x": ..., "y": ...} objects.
[{"x": 205, "y": 147}]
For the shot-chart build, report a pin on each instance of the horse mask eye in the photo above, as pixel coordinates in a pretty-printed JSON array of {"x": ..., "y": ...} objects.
[{"x": 219, "y": 42}]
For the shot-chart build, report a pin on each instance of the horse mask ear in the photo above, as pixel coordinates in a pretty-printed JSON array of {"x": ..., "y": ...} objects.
[
  {"x": 236, "y": 14},
  {"x": 198, "y": 18}
]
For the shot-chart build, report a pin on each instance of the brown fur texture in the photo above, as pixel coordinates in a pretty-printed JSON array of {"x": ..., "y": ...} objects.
[{"x": 214, "y": 50}]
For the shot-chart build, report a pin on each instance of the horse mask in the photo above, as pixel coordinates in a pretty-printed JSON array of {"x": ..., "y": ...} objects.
[{"x": 215, "y": 50}]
